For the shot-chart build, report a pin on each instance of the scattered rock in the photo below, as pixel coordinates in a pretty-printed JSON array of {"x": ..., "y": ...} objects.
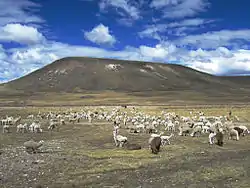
[{"x": 38, "y": 161}]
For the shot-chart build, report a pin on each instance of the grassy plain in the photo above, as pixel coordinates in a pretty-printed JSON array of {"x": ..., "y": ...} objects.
[{"x": 83, "y": 155}]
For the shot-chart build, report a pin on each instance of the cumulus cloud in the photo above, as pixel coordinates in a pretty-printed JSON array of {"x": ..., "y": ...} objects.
[
  {"x": 220, "y": 61},
  {"x": 21, "y": 11},
  {"x": 180, "y": 8},
  {"x": 160, "y": 51},
  {"x": 2, "y": 53},
  {"x": 100, "y": 35},
  {"x": 121, "y": 6},
  {"x": 6, "y": 68},
  {"x": 212, "y": 51},
  {"x": 21, "y": 34}
]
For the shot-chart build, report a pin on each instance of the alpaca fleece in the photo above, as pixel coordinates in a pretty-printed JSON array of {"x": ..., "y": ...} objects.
[
  {"x": 240, "y": 131},
  {"x": 129, "y": 146},
  {"x": 219, "y": 137},
  {"x": 155, "y": 145}
]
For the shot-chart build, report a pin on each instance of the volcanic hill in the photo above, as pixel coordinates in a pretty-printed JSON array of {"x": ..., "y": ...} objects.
[{"x": 80, "y": 73}]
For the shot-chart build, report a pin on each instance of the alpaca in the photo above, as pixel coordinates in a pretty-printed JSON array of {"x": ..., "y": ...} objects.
[
  {"x": 155, "y": 145},
  {"x": 165, "y": 139},
  {"x": 32, "y": 146},
  {"x": 211, "y": 137},
  {"x": 233, "y": 132},
  {"x": 121, "y": 140},
  {"x": 240, "y": 131},
  {"x": 219, "y": 136},
  {"x": 129, "y": 146}
]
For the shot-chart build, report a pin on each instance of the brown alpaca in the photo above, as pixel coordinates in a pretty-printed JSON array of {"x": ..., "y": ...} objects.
[
  {"x": 219, "y": 137},
  {"x": 129, "y": 146},
  {"x": 155, "y": 145}
]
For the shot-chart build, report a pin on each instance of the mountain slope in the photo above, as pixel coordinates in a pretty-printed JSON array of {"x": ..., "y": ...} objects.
[{"x": 76, "y": 74}]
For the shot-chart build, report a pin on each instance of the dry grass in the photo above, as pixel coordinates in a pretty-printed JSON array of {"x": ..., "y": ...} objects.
[
  {"x": 87, "y": 157},
  {"x": 17, "y": 98}
]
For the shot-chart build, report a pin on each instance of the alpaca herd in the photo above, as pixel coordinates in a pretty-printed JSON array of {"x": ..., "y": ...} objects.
[
  {"x": 216, "y": 127},
  {"x": 136, "y": 122}
]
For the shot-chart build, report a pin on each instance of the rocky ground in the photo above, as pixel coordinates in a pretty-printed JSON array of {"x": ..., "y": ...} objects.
[{"x": 83, "y": 155}]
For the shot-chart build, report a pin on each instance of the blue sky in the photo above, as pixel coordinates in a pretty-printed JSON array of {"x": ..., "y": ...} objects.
[{"x": 208, "y": 35}]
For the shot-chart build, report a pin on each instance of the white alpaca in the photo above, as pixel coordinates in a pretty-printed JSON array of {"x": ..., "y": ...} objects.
[
  {"x": 115, "y": 133},
  {"x": 37, "y": 128},
  {"x": 232, "y": 133},
  {"x": 121, "y": 140},
  {"x": 6, "y": 128},
  {"x": 22, "y": 128},
  {"x": 211, "y": 137},
  {"x": 170, "y": 126},
  {"x": 165, "y": 139},
  {"x": 205, "y": 129}
]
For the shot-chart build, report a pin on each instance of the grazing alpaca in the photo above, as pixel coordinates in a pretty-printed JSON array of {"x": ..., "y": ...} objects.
[
  {"x": 155, "y": 145},
  {"x": 121, "y": 140},
  {"x": 184, "y": 130},
  {"x": 32, "y": 146},
  {"x": 129, "y": 146},
  {"x": 234, "y": 133},
  {"x": 240, "y": 131},
  {"x": 245, "y": 130},
  {"x": 165, "y": 139}
]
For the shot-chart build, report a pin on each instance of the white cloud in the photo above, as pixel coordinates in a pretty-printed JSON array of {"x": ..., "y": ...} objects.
[
  {"x": 125, "y": 21},
  {"x": 189, "y": 22},
  {"x": 163, "y": 3},
  {"x": 220, "y": 61},
  {"x": 100, "y": 35},
  {"x": 2, "y": 53},
  {"x": 21, "y": 11},
  {"x": 215, "y": 39},
  {"x": 158, "y": 52},
  {"x": 152, "y": 32},
  {"x": 16, "y": 25},
  {"x": 20, "y": 61},
  {"x": 174, "y": 28},
  {"x": 180, "y": 8},
  {"x": 21, "y": 34},
  {"x": 121, "y": 6}
]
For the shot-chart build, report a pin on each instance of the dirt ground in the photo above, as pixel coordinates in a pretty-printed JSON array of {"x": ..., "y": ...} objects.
[{"x": 84, "y": 155}]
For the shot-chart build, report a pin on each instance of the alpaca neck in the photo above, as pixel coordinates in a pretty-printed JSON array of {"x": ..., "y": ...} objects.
[{"x": 40, "y": 144}]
